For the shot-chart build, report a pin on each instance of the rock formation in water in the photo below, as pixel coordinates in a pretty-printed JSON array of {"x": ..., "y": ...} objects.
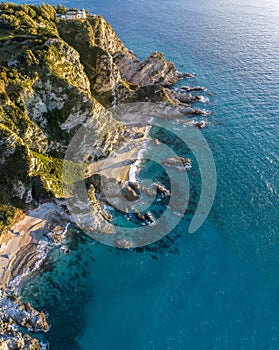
[{"x": 14, "y": 314}]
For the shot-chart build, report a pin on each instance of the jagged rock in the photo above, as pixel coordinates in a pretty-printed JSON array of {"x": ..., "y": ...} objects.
[
  {"x": 185, "y": 75},
  {"x": 129, "y": 193},
  {"x": 201, "y": 124},
  {"x": 107, "y": 216},
  {"x": 186, "y": 110},
  {"x": 14, "y": 312},
  {"x": 155, "y": 70},
  {"x": 149, "y": 217},
  {"x": 16, "y": 341},
  {"x": 178, "y": 162},
  {"x": 139, "y": 216},
  {"x": 192, "y": 88},
  {"x": 161, "y": 189},
  {"x": 56, "y": 234},
  {"x": 186, "y": 98},
  {"x": 199, "y": 112},
  {"x": 122, "y": 244},
  {"x": 128, "y": 64}
]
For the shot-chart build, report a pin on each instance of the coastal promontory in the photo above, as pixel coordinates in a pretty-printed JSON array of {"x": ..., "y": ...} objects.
[{"x": 58, "y": 73}]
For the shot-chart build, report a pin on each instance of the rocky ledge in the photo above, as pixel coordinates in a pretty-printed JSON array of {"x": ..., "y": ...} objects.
[{"x": 15, "y": 314}]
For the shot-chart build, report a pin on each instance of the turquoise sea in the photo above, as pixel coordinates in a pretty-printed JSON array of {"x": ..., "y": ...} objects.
[{"x": 218, "y": 288}]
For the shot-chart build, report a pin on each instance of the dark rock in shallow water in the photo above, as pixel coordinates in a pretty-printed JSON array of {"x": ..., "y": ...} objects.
[
  {"x": 192, "y": 88},
  {"x": 201, "y": 124},
  {"x": 185, "y": 75},
  {"x": 149, "y": 217},
  {"x": 134, "y": 185},
  {"x": 139, "y": 216},
  {"x": 177, "y": 162},
  {"x": 161, "y": 189},
  {"x": 186, "y": 98}
]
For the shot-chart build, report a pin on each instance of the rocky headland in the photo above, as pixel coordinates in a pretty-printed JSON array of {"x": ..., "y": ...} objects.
[{"x": 55, "y": 76}]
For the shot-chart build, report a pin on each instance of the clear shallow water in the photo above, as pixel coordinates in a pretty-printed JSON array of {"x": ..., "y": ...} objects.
[{"x": 217, "y": 289}]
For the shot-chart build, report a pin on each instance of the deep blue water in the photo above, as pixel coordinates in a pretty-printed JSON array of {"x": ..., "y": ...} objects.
[{"x": 219, "y": 288}]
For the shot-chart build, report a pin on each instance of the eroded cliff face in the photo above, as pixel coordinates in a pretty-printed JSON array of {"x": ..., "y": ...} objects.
[{"x": 113, "y": 71}]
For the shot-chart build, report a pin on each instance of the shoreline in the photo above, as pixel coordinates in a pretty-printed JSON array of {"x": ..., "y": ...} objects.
[
  {"x": 64, "y": 85},
  {"x": 20, "y": 244},
  {"x": 25, "y": 235},
  {"x": 119, "y": 167}
]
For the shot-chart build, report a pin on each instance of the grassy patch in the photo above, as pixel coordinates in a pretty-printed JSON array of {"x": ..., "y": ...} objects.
[{"x": 50, "y": 172}]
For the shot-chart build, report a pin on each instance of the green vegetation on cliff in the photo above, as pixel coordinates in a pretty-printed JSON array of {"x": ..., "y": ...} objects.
[{"x": 56, "y": 75}]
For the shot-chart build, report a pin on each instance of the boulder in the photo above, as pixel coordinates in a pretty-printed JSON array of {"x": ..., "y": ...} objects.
[
  {"x": 178, "y": 162},
  {"x": 149, "y": 217},
  {"x": 192, "y": 88},
  {"x": 161, "y": 189},
  {"x": 122, "y": 243},
  {"x": 201, "y": 124},
  {"x": 185, "y": 75},
  {"x": 129, "y": 193},
  {"x": 139, "y": 216}
]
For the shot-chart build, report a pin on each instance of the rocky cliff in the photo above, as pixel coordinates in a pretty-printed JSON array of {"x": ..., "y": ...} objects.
[{"x": 56, "y": 75}]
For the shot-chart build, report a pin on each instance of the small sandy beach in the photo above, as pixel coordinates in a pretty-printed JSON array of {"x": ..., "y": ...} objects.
[
  {"x": 19, "y": 243},
  {"x": 23, "y": 236},
  {"x": 118, "y": 166}
]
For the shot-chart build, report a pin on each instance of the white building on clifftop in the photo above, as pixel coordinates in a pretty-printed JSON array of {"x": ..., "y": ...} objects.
[{"x": 74, "y": 15}]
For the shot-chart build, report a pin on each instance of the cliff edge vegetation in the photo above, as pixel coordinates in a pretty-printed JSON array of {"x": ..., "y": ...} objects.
[{"x": 56, "y": 75}]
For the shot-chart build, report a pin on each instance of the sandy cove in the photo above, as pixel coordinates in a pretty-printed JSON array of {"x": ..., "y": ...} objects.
[
  {"x": 119, "y": 166},
  {"x": 22, "y": 239}
]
